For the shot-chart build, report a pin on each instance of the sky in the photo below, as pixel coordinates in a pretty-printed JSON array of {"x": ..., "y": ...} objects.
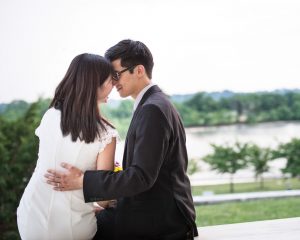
[{"x": 197, "y": 45}]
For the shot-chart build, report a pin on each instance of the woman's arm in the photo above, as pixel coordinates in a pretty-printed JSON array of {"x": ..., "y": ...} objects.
[
  {"x": 106, "y": 158},
  {"x": 105, "y": 161}
]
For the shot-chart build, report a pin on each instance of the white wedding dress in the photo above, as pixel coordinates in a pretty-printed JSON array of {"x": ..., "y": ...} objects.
[{"x": 47, "y": 214}]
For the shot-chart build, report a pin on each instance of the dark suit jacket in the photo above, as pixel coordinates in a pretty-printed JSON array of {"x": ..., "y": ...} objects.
[{"x": 153, "y": 190}]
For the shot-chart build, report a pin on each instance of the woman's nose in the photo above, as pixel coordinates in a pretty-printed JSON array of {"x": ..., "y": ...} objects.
[{"x": 114, "y": 82}]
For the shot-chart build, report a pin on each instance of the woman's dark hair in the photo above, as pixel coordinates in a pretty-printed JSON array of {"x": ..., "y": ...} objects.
[
  {"x": 131, "y": 53},
  {"x": 76, "y": 97}
]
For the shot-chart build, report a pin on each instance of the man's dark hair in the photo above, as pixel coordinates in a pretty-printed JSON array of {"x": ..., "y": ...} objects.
[
  {"x": 76, "y": 97},
  {"x": 131, "y": 53}
]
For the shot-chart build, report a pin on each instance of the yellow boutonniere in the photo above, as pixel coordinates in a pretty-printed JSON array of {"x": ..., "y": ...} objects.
[{"x": 117, "y": 167}]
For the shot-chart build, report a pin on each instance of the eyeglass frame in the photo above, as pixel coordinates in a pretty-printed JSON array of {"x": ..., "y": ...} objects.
[{"x": 117, "y": 74}]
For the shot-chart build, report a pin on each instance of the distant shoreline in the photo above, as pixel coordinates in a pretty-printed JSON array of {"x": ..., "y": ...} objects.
[{"x": 241, "y": 124}]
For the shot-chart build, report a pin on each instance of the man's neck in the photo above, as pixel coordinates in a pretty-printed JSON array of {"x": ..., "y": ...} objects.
[{"x": 140, "y": 88}]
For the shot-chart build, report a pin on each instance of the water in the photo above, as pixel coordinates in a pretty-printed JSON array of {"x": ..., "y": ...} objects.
[{"x": 264, "y": 134}]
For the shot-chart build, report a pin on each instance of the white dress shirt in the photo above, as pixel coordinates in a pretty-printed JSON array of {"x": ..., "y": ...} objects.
[{"x": 140, "y": 95}]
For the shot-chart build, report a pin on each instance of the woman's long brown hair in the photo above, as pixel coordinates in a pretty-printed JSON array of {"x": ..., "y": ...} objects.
[{"x": 76, "y": 97}]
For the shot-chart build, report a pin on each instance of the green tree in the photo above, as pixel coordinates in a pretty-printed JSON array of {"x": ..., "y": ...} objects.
[
  {"x": 290, "y": 151},
  {"x": 192, "y": 166},
  {"x": 190, "y": 117},
  {"x": 119, "y": 116},
  {"x": 18, "y": 158},
  {"x": 295, "y": 109},
  {"x": 259, "y": 158},
  {"x": 124, "y": 110},
  {"x": 14, "y": 110},
  {"x": 228, "y": 159},
  {"x": 202, "y": 103}
]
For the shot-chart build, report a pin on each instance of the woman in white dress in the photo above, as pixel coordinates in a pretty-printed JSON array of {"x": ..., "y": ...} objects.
[{"x": 73, "y": 131}]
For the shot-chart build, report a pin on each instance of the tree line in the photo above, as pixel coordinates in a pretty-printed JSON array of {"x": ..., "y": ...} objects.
[
  {"x": 201, "y": 109},
  {"x": 237, "y": 156},
  {"x": 204, "y": 110}
]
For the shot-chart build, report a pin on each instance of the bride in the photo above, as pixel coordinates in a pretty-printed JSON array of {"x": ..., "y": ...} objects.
[{"x": 73, "y": 131}]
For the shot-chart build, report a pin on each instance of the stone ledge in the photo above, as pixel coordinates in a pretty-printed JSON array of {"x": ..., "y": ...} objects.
[{"x": 279, "y": 229}]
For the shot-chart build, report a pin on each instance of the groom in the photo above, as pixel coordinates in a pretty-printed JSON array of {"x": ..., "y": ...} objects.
[{"x": 153, "y": 191}]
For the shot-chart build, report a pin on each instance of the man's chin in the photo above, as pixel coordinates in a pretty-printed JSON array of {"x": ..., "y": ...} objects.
[{"x": 123, "y": 95}]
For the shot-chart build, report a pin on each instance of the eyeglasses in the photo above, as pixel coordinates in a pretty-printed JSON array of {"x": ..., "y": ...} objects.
[{"x": 116, "y": 75}]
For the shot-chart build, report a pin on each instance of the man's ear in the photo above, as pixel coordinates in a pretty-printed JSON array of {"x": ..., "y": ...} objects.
[{"x": 140, "y": 70}]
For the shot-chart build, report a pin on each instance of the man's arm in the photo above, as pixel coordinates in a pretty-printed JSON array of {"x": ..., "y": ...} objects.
[{"x": 150, "y": 145}]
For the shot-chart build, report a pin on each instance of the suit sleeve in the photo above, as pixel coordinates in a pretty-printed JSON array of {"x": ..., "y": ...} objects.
[{"x": 151, "y": 144}]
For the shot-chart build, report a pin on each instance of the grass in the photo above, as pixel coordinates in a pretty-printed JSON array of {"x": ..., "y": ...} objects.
[
  {"x": 269, "y": 185},
  {"x": 254, "y": 210},
  {"x": 236, "y": 212}
]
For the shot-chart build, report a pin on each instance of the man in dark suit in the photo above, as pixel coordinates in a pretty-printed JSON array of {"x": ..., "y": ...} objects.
[{"x": 153, "y": 191}]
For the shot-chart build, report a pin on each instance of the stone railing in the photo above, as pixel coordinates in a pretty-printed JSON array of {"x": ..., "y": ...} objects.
[{"x": 280, "y": 229}]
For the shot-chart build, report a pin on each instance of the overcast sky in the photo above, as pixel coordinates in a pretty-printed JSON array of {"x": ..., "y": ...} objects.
[{"x": 198, "y": 45}]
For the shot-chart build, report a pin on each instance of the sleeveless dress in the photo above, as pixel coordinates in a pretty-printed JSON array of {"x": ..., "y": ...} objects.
[{"x": 44, "y": 213}]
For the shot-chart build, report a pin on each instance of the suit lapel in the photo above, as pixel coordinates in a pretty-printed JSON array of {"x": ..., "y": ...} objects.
[{"x": 149, "y": 92}]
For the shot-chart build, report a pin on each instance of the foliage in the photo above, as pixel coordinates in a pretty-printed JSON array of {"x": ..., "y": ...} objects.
[
  {"x": 203, "y": 103},
  {"x": 18, "y": 147},
  {"x": 228, "y": 159},
  {"x": 259, "y": 158},
  {"x": 14, "y": 110},
  {"x": 192, "y": 166},
  {"x": 203, "y": 109},
  {"x": 290, "y": 151},
  {"x": 120, "y": 116},
  {"x": 190, "y": 116}
]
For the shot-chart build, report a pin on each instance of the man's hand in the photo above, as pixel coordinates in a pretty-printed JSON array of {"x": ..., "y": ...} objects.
[{"x": 72, "y": 179}]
